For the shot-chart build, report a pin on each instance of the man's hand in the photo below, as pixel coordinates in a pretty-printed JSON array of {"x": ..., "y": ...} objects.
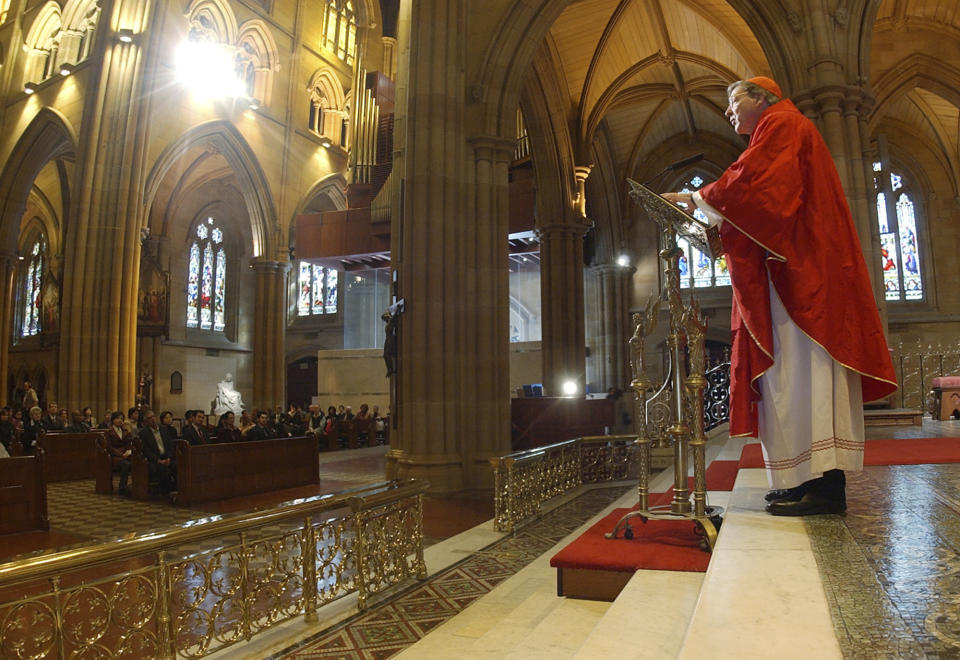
[
  {"x": 127, "y": 453},
  {"x": 683, "y": 200}
]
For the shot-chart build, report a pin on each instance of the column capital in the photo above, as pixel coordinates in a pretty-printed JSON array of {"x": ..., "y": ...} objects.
[
  {"x": 562, "y": 230},
  {"x": 493, "y": 148}
]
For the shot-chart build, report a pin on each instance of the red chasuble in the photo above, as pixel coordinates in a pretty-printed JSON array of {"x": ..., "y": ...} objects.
[{"x": 786, "y": 215}]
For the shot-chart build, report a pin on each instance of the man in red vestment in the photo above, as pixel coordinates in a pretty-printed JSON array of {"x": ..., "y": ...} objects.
[{"x": 808, "y": 345}]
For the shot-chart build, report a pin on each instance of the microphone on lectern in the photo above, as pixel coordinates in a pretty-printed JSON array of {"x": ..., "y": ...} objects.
[{"x": 690, "y": 160}]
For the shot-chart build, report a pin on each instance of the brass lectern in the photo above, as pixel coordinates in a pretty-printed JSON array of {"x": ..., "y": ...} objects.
[{"x": 687, "y": 329}]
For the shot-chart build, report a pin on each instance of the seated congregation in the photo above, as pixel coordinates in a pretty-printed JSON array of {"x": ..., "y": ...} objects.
[{"x": 190, "y": 459}]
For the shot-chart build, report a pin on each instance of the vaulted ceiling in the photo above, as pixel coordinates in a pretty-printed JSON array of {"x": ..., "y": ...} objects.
[{"x": 644, "y": 71}]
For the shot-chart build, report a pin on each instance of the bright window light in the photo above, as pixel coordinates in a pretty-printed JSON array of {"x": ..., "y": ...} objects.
[
  {"x": 569, "y": 388},
  {"x": 208, "y": 69},
  {"x": 623, "y": 261}
]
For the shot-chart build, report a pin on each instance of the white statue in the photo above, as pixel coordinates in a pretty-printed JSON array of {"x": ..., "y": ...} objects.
[{"x": 228, "y": 398}]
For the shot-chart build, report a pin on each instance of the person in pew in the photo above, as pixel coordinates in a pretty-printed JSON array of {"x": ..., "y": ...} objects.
[
  {"x": 316, "y": 420},
  {"x": 120, "y": 446},
  {"x": 247, "y": 422},
  {"x": 192, "y": 432},
  {"x": 167, "y": 429},
  {"x": 331, "y": 423},
  {"x": 64, "y": 417},
  {"x": 105, "y": 424},
  {"x": 226, "y": 430},
  {"x": 32, "y": 430},
  {"x": 88, "y": 420},
  {"x": 76, "y": 423},
  {"x": 17, "y": 419},
  {"x": 133, "y": 423},
  {"x": 262, "y": 430},
  {"x": 51, "y": 421},
  {"x": 159, "y": 454},
  {"x": 6, "y": 430}
]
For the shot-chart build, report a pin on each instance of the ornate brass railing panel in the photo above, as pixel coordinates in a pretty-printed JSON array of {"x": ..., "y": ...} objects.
[
  {"x": 147, "y": 597},
  {"x": 524, "y": 480},
  {"x": 916, "y": 366}
]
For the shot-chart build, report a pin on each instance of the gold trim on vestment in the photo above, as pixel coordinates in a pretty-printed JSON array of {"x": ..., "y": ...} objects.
[{"x": 825, "y": 350}]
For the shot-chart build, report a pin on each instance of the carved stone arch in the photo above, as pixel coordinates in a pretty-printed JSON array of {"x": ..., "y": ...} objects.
[
  {"x": 42, "y": 43},
  {"x": 917, "y": 70},
  {"x": 333, "y": 187},
  {"x": 328, "y": 105},
  {"x": 551, "y": 146},
  {"x": 45, "y": 23},
  {"x": 776, "y": 26},
  {"x": 212, "y": 20},
  {"x": 48, "y": 137},
  {"x": 41, "y": 214},
  {"x": 226, "y": 140},
  {"x": 75, "y": 12},
  {"x": 257, "y": 50}
]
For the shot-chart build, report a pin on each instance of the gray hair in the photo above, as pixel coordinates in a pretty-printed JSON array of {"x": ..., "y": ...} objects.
[{"x": 753, "y": 90}]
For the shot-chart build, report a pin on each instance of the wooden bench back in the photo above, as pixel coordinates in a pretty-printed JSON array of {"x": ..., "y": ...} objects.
[
  {"x": 219, "y": 471},
  {"x": 69, "y": 456},
  {"x": 23, "y": 494}
]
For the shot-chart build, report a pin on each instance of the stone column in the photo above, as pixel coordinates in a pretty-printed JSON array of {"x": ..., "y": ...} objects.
[
  {"x": 613, "y": 359},
  {"x": 561, "y": 305},
  {"x": 269, "y": 357},
  {"x": 449, "y": 248},
  {"x": 102, "y": 257},
  {"x": 8, "y": 272}
]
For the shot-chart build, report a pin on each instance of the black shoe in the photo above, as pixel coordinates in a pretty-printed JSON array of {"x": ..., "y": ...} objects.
[
  {"x": 792, "y": 494},
  {"x": 808, "y": 505}
]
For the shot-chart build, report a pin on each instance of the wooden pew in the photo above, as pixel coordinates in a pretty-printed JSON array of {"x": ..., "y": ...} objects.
[
  {"x": 69, "y": 456},
  {"x": 214, "y": 472},
  {"x": 23, "y": 494}
]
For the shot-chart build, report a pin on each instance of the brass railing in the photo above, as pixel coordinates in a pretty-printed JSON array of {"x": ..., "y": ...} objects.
[
  {"x": 916, "y": 366},
  {"x": 193, "y": 590},
  {"x": 524, "y": 480}
]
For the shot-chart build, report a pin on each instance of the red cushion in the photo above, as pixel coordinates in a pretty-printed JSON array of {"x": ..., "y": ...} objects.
[{"x": 944, "y": 382}]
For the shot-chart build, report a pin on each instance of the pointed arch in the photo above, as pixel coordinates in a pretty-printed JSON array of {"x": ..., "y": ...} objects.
[
  {"x": 327, "y": 104},
  {"x": 257, "y": 59},
  {"x": 226, "y": 140},
  {"x": 43, "y": 43},
  {"x": 48, "y": 137},
  {"x": 212, "y": 20},
  {"x": 333, "y": 187}
]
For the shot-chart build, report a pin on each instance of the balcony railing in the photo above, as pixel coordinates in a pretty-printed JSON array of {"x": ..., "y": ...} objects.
[{"x": 193, "y": 590}]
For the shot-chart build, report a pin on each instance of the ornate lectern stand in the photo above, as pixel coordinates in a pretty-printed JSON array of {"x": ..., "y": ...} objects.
[{"x": 687, "y": 329}]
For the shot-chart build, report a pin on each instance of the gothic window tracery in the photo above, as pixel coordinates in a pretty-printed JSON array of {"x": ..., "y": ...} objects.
[
  {"x": 696, "y": 268},
  {"x": 899, "y": 246},
  {"x": 340, "y": 29},
  {"x": 207, "y": 278}
]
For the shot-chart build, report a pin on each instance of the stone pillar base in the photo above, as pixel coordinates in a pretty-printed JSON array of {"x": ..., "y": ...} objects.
[{"x": 447, "y": 473}]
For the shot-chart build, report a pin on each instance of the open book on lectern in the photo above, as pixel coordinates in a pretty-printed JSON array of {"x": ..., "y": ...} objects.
[{"x": 666, "y": 214}]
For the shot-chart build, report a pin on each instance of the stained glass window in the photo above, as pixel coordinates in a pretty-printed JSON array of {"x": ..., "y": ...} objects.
[
  {"x": 696, "y": 268},
  {"x": 899, "y": 248},
  {"x": 317, "y": 291},
  {"x": 207, "y": 279},
  {"x": 32, "y": 285}
]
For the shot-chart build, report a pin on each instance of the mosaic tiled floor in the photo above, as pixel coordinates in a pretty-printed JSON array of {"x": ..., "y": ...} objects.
[
  {"x": 409, "y": 616},
  {"x": 891, "y": 566}
]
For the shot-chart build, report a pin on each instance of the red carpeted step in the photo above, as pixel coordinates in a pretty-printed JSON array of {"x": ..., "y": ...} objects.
[
  {"x": 669, "y": 545},
  {"x": 911, "y": 451}
]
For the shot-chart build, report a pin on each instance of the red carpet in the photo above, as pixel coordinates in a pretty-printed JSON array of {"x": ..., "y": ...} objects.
[
  {"x": 667, "y": 545},
  {"x": 912, "y": 451}
]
